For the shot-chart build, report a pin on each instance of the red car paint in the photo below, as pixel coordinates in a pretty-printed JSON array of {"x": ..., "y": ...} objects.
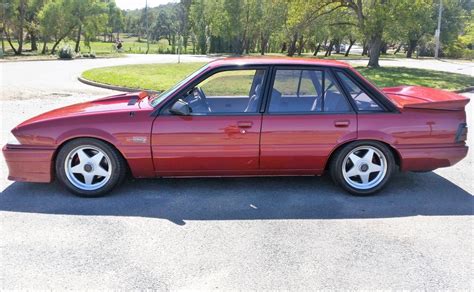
[{"x": 421, "y": 131}]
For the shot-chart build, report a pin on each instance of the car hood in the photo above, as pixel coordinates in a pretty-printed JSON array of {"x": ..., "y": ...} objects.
[{"x": 115, "y": 103}]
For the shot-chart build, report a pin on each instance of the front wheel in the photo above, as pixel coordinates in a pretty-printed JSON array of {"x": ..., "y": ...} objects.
[
  {"x": 89, "y": 167},
  {"x": 363, "y": 167}
]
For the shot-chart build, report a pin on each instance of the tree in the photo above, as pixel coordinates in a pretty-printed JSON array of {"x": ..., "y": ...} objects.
[
  {"x": 56, "y": 22},
  {"x": 14, "y": 23},
  {"x": 115, "y": 21},
  {"x": 85, "y": 11}
]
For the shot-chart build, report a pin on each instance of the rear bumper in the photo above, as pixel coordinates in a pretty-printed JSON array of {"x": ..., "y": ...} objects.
[
  {"x": 431, "y": 158},
  {"x": 29, "y": 164}
]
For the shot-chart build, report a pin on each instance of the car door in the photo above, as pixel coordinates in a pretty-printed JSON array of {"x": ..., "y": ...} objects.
[
  {"x": 307, "y": 116},
  {"x": 221, "y": 135}
]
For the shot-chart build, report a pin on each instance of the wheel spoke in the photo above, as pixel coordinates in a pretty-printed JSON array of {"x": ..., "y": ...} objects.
[
  {"x": 364, "y": 177},
  {"x": 100, "y": 171},
  {"x": 352, "y": 172},
  {"x": 374, "y": 167},
  {"x": 83, "y": 157},
  {"x": 369, "y": 156},
  {"x": 88, "y": 176},
  {"x": 354, "y": 158},
  {"x": 97, "y": 158},
  {"x": 78, "y": 169}
]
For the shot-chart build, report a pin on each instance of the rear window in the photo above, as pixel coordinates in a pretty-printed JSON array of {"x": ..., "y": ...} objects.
[{"x": 363, "y": 101}]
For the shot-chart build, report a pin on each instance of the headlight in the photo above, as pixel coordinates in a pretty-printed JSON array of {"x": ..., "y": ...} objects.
[{"x": 12, "y": 140}]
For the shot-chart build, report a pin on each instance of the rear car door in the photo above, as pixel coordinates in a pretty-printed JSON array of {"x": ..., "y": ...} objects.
[
  {"x": 221, "y": 134},
  {"x": 307, "y": 116}
]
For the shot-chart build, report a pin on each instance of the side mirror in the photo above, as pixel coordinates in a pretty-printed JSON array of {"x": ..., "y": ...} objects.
[{"x": 180, "y": 108}]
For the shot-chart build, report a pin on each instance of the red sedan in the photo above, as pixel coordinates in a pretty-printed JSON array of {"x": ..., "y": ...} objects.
[{"x": 246, "y": 117}]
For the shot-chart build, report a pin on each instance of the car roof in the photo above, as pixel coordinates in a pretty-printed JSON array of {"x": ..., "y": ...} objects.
[{"x": 232, "y": 61}]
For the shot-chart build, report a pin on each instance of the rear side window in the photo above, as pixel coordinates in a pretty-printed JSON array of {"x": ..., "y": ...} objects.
[
  {"x": 296, "y": 90},
  {"x": 363, "y": 101}
]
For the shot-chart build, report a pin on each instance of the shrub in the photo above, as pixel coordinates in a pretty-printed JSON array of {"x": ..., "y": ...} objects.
[{"x": 66, "y": 52}]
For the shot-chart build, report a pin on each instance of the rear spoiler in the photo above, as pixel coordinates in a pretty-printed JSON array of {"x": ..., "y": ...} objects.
[{"x": 418, "y": 97}]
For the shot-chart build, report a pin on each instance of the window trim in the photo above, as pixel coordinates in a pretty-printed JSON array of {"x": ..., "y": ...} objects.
[
  {"x": 373, "y": 92},
  {"x": 325, "y": 70},
  {"x": 162, "y": 110}
]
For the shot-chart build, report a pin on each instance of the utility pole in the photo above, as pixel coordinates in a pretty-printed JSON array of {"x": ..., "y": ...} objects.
[
  {"x": 179, "y": 49},
  {"x": 146, "y": 26},
  {"x": 438, "y": 30}
]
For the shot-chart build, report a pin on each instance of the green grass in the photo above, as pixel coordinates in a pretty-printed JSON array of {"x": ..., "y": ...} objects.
[
  {"x": 131, "y": 45},
  {"x": 393, "y": 76},
  {"x": 162, "y": 76},
  {"x": 150, "y": 76}
]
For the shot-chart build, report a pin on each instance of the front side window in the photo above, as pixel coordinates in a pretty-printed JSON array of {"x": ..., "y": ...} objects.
[
  {"x": 363, "y": 101},
  {"x": 306, "y": 91},
  {"x": 234, "y": 91}
]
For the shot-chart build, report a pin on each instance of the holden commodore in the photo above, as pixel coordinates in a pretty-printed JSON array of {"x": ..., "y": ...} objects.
[{"x": 246, "y": 117}]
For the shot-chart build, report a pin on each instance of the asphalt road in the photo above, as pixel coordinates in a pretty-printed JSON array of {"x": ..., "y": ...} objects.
[{"x": 296, "y": 233}]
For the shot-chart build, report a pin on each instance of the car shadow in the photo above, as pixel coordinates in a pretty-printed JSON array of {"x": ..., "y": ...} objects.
[{"x": 180, "y": 200}]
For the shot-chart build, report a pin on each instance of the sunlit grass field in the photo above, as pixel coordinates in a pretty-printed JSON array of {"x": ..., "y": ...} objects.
[
  {"x": 162, "y": 76},
  {"x": 130, "y": 45}
]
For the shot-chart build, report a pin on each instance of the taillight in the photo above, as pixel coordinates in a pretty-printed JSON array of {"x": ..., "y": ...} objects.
[{"x": 461, "y": 134}]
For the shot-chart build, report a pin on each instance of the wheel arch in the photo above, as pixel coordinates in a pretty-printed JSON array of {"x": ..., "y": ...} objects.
[
  {"x": 396, "y": 154},
  {"x": 65, "y": 141}
]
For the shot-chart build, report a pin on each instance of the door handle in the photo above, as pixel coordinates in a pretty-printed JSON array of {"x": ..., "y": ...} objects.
[
  {"x": 244, "y": 124},
  {"x": 342, "y": 123}
]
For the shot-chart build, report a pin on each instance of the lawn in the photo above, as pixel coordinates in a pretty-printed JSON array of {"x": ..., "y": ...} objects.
[
  {"x": 131, "y": 45},
  {"x": 162, "y": 76}
]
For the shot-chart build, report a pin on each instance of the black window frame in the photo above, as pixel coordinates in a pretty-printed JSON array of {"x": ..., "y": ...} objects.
[
  {"x": 327, "y": 70},
  {"x": 163, "y": 110}
]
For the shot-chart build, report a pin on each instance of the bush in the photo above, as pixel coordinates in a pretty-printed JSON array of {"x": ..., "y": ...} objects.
[
  {"x": 456, "y": 50},
  {"x": 66, "y": 52}
]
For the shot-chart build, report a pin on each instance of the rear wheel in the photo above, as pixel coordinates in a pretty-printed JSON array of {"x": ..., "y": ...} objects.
[
  {"x": 363, "y": 167},
  {"x": 89, "y": 167}
]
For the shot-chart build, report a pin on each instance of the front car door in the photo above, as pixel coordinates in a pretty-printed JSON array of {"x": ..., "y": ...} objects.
[
  {"x": 221, "y": 135},
  {"x": 307, "y": 116}
]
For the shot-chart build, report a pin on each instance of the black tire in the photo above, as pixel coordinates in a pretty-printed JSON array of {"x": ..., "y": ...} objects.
[
  {"x": 336, "y": 167},
  {"x": 118, "y": 171}
]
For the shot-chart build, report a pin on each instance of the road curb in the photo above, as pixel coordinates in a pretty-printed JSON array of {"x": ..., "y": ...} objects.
[
  {"x": 108, "y": 86},
  {"x": 464, "y": 90}
]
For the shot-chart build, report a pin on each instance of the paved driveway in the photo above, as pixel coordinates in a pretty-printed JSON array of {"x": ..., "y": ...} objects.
[{"x": 237, "y": 233}]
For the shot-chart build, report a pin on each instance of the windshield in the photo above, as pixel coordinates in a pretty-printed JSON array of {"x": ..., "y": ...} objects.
[{"x": 157, "y": 100}]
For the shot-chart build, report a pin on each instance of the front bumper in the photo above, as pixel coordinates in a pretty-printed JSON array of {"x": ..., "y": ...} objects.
[{"x": 28, "y": 163}]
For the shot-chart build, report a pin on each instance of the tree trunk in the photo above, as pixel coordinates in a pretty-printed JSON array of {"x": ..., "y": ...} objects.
[
  {"x": 10, "y": 42},
  {"x": 53, "y": 49},
  {"x": 283, "y": 47},
  {"x": 365, "y": 48},
  {"x": 337, "y": 43},
  {"x": 411, "y": 47},
  {"x": 292, "y": 47},
  {"x": 22, "y": 24},
  {"x": 351, "y": 43},
  {"x": 33, "y": 39},
  {"x": 263, "y": 44},
  {"x": 300, "y": 45},
  {"x": 398, "y": 49},
  {"x": 384, "y": 48},
  {"x": 316, "y": 51},
  {"x": 374, "y": 50},
  {"x": 78, "y": 39},
  {"x": 43, "y": 51},
  {"x": 329, "y": 49}
]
